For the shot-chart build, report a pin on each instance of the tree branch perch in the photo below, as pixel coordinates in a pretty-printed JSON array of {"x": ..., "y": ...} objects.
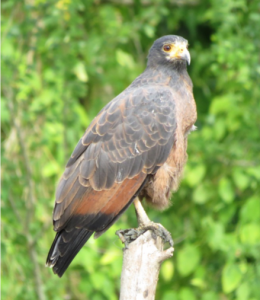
[
  {"x": 142, "y": 259},
  {"x": 141, "y": 265}
]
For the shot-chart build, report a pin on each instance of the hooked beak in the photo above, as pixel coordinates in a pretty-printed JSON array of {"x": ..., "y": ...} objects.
[
  {"x": 185, "y": 54},
  {"x": 180, "y": 52}
]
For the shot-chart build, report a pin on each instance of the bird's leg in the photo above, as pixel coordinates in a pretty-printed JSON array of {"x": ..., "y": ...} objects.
[
  {"x": 142, "y": 217},
  {"x": 145, "y": 224}
]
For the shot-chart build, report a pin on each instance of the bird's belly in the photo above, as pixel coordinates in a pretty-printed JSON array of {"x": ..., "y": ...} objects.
[{"x": 160, "y": 186}]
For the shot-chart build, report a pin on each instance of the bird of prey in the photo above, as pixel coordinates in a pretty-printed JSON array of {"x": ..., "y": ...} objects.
[{"x": 135, "y": 146}]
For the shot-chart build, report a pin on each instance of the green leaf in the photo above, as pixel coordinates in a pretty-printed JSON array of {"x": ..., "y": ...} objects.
[
  {"x": 124, "y": 59},
  {"x": 3, "y": 250},
  {"x": 87, "y": 257},
  {"x": 4, "y": 111},
  {"x": 50, "y": 169},
  {"x": 170, "y": 295},
  {"x": 80, "y": 72},
  {"x": 187, "y": 259},
  {"x": 255, "y": 172},
  {"x": 167, "y": 270},
  {"x": 251, "y": 210},
  {"x": 198, "y": 282},
  {"x": 215, "y": 235},
  {"x": 194, "y": 175},
  {"x": 202, "y": 193},
  {"x": 231, "y": 277},
  {"x": 82, "y": 115},
  {"x": 243, "y": 266},
  {"x": 250, "y": 234},
  {"x": 222, "y": 104},
  {"x": 209, "y": 296},
  {"x": 98, "y": 279},
  {"x": 186, "y": 293},
  {"x": 226, "y": 190},
  {"x": 241, "y": 180},
  {"x": 110, "y": 256},
  {"x": 220, "y": 128},
  {"x": 149, "y": 30},
  {"x": 243, "y": 291}
]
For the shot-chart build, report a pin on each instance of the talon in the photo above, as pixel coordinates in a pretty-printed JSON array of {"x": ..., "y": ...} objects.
[
  {"x": 129, "y": 235},
  {"x": 158, "y": 230},
  {"x": 120, "y": 234}
]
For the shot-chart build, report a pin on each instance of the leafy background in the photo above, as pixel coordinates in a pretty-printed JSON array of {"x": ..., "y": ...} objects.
[{"x": 62, "y": 61}]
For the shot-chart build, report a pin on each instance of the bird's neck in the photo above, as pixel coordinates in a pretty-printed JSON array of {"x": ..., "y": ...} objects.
[
  {"x": 164, "y": 75},
  {"x": 178, "y": 68}
]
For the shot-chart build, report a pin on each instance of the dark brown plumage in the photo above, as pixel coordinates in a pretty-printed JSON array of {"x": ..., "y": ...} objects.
[{"x": 135, "y": 146}]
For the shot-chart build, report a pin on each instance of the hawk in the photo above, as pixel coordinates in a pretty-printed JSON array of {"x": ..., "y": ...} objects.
[{"x": 135, "y": 146}]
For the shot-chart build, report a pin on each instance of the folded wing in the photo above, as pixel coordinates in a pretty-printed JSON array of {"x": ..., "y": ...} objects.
[{"x": 129, "y": 139}]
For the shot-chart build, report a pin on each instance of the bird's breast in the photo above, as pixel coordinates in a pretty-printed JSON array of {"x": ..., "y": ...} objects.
[{"x": 159, "y": 187}]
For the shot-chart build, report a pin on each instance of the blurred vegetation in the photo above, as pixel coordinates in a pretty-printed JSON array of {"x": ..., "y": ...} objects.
[{"x": 62, "y": 61}]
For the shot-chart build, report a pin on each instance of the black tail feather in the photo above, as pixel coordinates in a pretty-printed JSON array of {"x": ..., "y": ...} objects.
[{"x": 63, "y": 251}]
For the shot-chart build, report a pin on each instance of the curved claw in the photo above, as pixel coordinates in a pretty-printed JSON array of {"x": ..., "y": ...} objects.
[
  {"x": 129, "y": 235},
  {"x": 158, "y": 230}
]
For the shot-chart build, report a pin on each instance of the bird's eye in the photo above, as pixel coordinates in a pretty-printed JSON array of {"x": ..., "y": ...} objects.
[{"x": 167, "y": 48}]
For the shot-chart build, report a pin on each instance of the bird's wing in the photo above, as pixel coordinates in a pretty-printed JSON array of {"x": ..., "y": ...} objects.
[{"x": 130, "y": 138}]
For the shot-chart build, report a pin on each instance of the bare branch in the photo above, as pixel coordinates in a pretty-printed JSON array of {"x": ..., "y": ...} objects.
[
  {"x": 12, "y": 16},
  {"x": 16, "y": 212},
  {"x": 141, "y": 265},
  {"x": 30, "y": 203},
  {"x": 28, "y": 173},
  {"x": 36, "y": 270},
  {"x": 39, "y": 234},
  {"x": 143, "y": 255}
]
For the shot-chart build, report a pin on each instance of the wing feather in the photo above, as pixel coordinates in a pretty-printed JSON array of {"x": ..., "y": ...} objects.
[
  {"x": 132, "y": 135},
  {"x": 130, "y": 138}
]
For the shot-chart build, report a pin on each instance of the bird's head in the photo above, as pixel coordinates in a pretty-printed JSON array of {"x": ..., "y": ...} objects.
[{"x": 169, "y": 50}]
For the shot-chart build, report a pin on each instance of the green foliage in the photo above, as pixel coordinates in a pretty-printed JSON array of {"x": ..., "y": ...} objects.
[
  {"x": 62, "y": 61},
  {"x": 188, "y": 259},
  {"x": 231, "y": 277}
]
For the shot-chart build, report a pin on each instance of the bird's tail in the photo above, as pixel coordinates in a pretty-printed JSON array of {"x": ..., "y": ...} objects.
[{"x": 65, "y": 247}]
